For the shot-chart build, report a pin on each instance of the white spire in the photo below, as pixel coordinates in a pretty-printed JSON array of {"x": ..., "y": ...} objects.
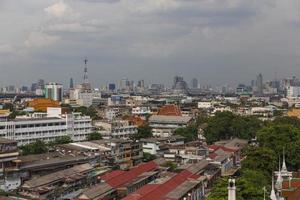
[
  {"x": 279, "y": 178},
  {"x": 273, "y": 195},
  {"x": 284, "y": 168}
]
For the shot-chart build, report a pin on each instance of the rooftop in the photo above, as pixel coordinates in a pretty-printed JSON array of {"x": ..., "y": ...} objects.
[
  {"x": 54, "y": 177},
  {"x": 169, "y": 119},
  {"x": 170, "y": 110},
  {"x": 119, "y": 178}
]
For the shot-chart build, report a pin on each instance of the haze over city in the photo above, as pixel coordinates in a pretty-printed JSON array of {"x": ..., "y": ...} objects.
[{"x": 216, "y": 41}]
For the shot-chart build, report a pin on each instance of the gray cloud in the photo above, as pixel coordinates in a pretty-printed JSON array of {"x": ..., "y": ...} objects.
[{"x": 216, "y": 41}]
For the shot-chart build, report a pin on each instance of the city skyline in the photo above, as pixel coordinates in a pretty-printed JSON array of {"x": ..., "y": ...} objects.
[{"x": 215, "y": 41}]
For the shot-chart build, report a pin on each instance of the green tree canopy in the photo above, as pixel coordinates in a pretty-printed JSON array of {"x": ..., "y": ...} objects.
[
  {"x": 37, "y": 147},
  {"x": 94, "y": 136},
  {"x": 261, "y": 159},
  {"x": 279, "y": 137},
  {"x": 144, "y": 131},
  {"x": 226, "y": 125},
  {"x": 189, "y": 133}
]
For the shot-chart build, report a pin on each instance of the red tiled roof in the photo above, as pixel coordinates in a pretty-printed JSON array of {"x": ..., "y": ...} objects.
[
  {"x": 110, "y": 175},
  {"x": 127, "y": 176},
  {"x": 159, "y": 192},
  {"x": 212, "y": 155},
  {"x": 170, "y": 110},
  {"x": 216, "y": 147},
  {"x": 141, "y": 192}
]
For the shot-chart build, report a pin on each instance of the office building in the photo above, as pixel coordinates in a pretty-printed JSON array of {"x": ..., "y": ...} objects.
[
  {"x": 54, "y": 91},
  {"x": 194, "y": 83}
]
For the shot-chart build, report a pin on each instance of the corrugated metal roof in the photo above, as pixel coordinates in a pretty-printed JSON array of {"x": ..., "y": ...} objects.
[{"x": 127, "y": 176}]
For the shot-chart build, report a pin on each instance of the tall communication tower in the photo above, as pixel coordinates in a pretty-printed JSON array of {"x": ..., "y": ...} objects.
[{"x": 86, "y": 84}]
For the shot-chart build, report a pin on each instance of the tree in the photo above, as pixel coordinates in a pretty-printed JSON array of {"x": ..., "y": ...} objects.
[
  {"x": 295, "y": 121},
  {"x": 171, "y": 165},
  {"x": 60, "y": 140},
  {"x": 189, "y": 133},
  {"x": 226, "y": 125},
  {"x": 94, "y": 136},
  {"x": 90, "y": 111},
  {"x": 249, "y": 187},
  {"x": 251, "y": 184},
  {"x": 279, "y": 137},
  {"x": 219, "y": 190},
  {"x": 144, "y": 131},
  {"x": 36, "y": 147},
  {"x": 261, "y": 159},
  {"x": 148, "y": 157}
]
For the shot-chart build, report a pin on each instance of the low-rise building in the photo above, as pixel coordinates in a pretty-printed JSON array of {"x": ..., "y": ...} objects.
[
  {"x": 8, "y": 162},
  {"x": 164, "y": 126},
  {"x": 118, "y": 183},
  {"x": 50, "y": 186},
  {"x": 121, "y": 129},
  {"x": 157, "y": 146},
  {"x": 123, "y": 153},
  {"x": 46, "y": 127}
]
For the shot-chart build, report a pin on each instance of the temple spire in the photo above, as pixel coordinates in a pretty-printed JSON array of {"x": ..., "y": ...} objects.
[
  {"x": 284, "y": 168},
  {"x": 279, "y": 178},
  {"x": 273, "y": 195}
]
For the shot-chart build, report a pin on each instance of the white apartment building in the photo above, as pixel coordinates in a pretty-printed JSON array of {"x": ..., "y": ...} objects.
[
  {"x": 205, "y": 105},
  {"x": 164, "y": 126},
  {"x": 293, "y": 91},
  {"x": 141, "y": 111},
  {"x": 46, "y": 127},
  {"x": 119, "y": 129}
]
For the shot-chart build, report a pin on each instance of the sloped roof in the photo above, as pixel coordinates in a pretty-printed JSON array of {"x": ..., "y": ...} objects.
[
  {"x": 169, "y": 119},
  {"x": 160, "y": 191},
  {"x": 117, "y": 179},
  {"x": 57, "y": 176},
  {"x": 170, "y": 110}
]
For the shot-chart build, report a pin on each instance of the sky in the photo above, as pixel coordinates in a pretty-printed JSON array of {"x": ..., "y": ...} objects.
[{"x": 216, "y": 41}]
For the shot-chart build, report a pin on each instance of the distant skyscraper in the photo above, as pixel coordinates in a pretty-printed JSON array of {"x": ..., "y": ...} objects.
[
  {"x": 71, "y": 83},
  {"x": 141, "y": 84},
  {"x": 41, "y": 84},
  {"x": 111, "y": 87},
  {"x": 54, "y": 91},
  {"x": 34, "y": 86},
  {"x": 259, "y": 84},
  {"x": 195, "y": 83}
]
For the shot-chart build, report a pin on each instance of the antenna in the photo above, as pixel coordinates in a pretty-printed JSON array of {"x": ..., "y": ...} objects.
[{"x": 85, "y": 76}]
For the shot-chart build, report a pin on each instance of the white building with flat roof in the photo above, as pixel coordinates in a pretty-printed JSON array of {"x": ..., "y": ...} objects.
[
  {"x": 47, "y": 128},
  {"x": 164, "y": 126}
]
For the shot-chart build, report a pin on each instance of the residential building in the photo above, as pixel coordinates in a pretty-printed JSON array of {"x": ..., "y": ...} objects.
[
  {"x": 46, "y": 127},
  {"x": 50, "y": 186},
  {"x": 293, "y": 91},
  {"x": 141, "y": 111},
  {"x": 118, "y": 183},
  {"x": 123, "y": 153},
  {"x": 164, "y": 126},
  {"x": 122, "y": 129},
  {"x": 156, "y": 146},
  {"x": 8, "y": 161}
]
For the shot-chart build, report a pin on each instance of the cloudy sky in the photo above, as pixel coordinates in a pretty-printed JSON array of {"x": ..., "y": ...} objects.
[{"x": 216, "y": 41}]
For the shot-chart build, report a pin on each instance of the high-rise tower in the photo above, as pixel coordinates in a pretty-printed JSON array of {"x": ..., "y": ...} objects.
[
  {"x": 71, "y": 83},
  {"x": 86, "y": 84}
]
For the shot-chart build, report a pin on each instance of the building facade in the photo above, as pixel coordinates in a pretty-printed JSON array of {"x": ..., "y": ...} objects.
[{"x": 40, "y": 127}]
